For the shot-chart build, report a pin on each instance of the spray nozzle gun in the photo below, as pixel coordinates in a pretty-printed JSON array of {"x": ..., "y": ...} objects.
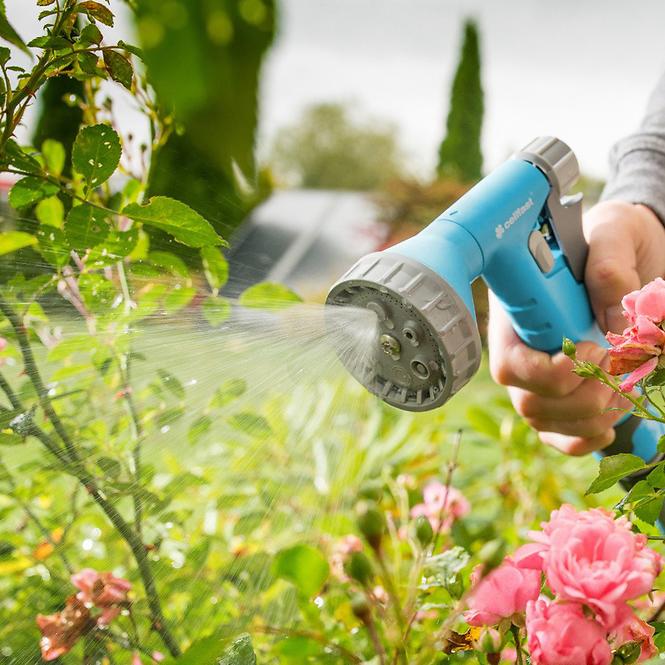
[{"x": 518, "y": 231}]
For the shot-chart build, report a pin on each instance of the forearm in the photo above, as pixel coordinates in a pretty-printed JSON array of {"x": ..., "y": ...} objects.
[{"x": 637, "y": 162}]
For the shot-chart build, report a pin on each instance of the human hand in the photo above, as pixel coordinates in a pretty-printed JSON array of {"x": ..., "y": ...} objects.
[{"x": 626, "y": 250}]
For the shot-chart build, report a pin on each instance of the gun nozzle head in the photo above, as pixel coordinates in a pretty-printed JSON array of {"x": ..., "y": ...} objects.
[{"x": 425, "y": 344}]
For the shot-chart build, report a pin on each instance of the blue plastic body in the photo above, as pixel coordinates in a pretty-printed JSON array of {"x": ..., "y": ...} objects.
[{"x": 485, "y": 234}]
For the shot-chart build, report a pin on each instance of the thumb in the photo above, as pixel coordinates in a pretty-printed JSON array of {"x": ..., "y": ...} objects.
[{"x": 611, "y": 269}]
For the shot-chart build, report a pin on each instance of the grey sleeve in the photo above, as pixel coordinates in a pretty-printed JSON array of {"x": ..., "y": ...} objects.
[{"x": 637, "y": 162}]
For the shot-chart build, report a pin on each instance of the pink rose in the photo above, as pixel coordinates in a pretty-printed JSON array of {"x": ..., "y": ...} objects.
[
  {"x": 500, "y": 594},
  {"x": 561, "y": 634},
  {"x": 648, "y": 301},
  {"x": 592, "y": 558},
  {"x": 632, "y": 629},
  {"x": 441, "y": 505},
  {"x": 61, "y": 631},
  {"x": 101, "y": 590}
]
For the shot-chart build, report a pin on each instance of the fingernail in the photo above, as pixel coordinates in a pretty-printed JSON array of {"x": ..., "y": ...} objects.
[{"x": 614, "y": 319}]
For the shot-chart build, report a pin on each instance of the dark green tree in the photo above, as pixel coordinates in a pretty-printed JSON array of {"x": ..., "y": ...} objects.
[
  {"x": 57, "y": 119},
  {"x": 460, "y": 154},
  {"x": 204, "y": 59}
]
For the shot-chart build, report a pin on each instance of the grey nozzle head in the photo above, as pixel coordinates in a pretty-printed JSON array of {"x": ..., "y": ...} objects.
[{"x": 426, "y": 345}]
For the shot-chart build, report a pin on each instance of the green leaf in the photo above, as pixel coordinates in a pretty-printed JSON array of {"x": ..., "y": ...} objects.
[
  {"x": 171, "y": 383},
  {"x": 216, "y": 310},
  {"x": 251, "y": 423},
  {"x": 656, "y": 477},
  {"x": 97, "y": 292},
  {"x": 51, "y": 212},
  {"x": 10, "y": 439},
  {"x": 14, "y": 240},
  {"x": 90, "y": 35},
  {"x": 178, "y": 297},
  {"x": 19, "y": 157},
  {"x": 53, "y": 246},
  {"x": 54, "y": 156},
  {"x": 174, "y": 264},
  {"x": 177, "y": 219},
  {"x": 29, "y": 190},
  {"x": 646, "y": 502},
  {"x": 613, "y": 469},
  {"x": 5, "y": 54},
  {"x": 119, "y": 68},
  {"x": 268, "y": 295},
  {"x": 304, "y": 566},
  {"x": 52, "y": 42},
  {"x": 484, "y": 422},
  {"x": 130, "y": 48},
  {"x": 198, "y": 428},
  {"x": 97, "y": 11},
  {"x": 239, "y": 653},
  {"x": 116, "y": 245},
  {"x": 229, "y": 391},
  {"x": 86, "y": 226},
  {"x": 96, "y": 153},
  {"x": 8, "y": 33},
  {"x": 215, "y": 267}
]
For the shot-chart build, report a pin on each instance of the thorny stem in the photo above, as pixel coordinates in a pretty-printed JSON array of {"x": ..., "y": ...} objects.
[
  {"x": 75, "y": 464},
  {"x": 395, "y": 602},
  {"x": 518, "y": 646},
  {"x": 452, "y": 465}
]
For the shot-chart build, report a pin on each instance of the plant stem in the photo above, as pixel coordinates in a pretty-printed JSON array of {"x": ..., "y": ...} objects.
[
  {"x": 452, "y": 465},
  {"x": 75, "y": 464},
  {"x": 518, "y": 645}
]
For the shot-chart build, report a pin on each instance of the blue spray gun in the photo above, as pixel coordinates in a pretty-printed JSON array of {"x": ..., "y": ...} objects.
[{"x": 517, "y": 231}]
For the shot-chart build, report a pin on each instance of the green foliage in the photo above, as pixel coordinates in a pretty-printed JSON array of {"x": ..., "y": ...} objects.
[
  {"x": 614, "y": 468},
  {"x": 326, "y": 148},
  {"x": 460, "y": 154},
  {"x": 96, "y": 154},
  {"x": 268, "y": 295},
  {"x": 303, "y": 566}
]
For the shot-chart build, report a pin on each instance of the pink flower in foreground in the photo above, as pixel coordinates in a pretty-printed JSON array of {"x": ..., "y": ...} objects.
[
  {"x": 101, "y": 590},
  {"x": 61, "y": 631},
  {"x": 561, "y": 634},
  {"x": 441, "y": 506},
  {"x": 503, "y": 592},
  {"x": 592, "y": 558},
  {"x": 632, "y": 629},
  {"x": 639, "y": 347},
  {"x": 648, "y": 301}
]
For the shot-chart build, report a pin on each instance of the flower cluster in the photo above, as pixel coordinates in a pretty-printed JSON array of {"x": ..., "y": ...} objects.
[
  {"x": 592, "y": 564},
  {"x": 638, "y": 349},
  {"x": 97, "y": 591}
]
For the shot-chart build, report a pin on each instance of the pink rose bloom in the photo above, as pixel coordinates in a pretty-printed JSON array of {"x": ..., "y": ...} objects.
[
  {"x": 500, "y": 594},
  {"x": 441, "y": 506},
  {"x": 638, "y": 348},
  {"x": 101, "y": 590},
  {"x": 632, "y": 629},
  {"x": 592, "y": 558},
  {"x": 561, "y": 634},
  {"x": 648, "y": 301},
  {"x": 61, "y": 631}
]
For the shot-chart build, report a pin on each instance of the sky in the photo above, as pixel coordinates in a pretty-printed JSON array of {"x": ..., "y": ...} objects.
[{"x": 581, "y": 70}]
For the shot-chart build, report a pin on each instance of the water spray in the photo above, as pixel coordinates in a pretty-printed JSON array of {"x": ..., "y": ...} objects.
[{"x": 519, "y": 232}]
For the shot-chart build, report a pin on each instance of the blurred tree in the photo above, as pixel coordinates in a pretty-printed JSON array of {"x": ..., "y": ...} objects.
[
  {"x": 205, "y": 58},
  {"x": 327, "y": 149},
  {"x": 460, "y": 154},
  {"x": 57, "y": 119}
]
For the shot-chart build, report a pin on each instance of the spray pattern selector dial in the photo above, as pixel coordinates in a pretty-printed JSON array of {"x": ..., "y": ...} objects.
[{"x": 559, "y": 164}]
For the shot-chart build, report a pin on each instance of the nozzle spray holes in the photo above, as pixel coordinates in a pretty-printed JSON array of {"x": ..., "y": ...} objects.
[
  {"x": 420, "y": 369},
  {"x": 412, "y": 333}
]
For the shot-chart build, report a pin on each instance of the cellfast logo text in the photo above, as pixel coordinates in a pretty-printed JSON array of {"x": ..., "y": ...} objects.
[{"x": 517, "y": 213}]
